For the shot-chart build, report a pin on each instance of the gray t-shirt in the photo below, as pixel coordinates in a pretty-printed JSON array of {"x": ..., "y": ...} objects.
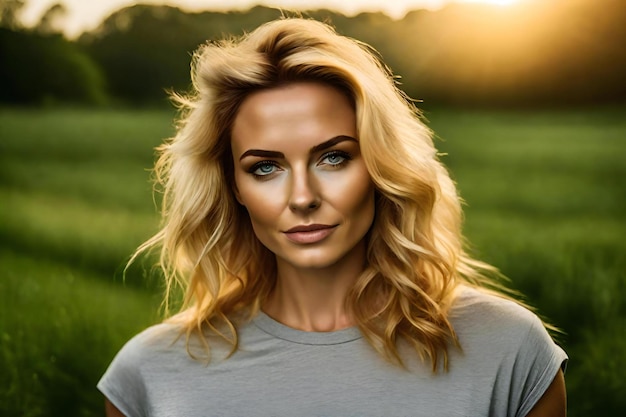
[{"x": 507, "y": 362}]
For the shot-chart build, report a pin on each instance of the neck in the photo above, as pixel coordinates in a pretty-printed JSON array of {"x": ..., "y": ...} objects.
[{"x": 314, "y": 299}]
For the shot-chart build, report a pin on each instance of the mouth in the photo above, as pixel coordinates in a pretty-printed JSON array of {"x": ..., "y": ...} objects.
[
  {"x": 311, "y": 233},
  {"x": 310, "y": 228}
]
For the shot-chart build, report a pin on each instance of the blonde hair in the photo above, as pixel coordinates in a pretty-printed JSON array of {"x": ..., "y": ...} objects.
[{"x": 415, "y": 251}]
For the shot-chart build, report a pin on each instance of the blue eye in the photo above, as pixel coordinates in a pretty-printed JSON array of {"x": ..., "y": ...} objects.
[
  {"x": 335, "y": 158},
  {"x": 262, "y": 169}
]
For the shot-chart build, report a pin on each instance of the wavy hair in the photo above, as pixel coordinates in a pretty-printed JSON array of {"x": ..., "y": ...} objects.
[{"x": 415, "y": 255}]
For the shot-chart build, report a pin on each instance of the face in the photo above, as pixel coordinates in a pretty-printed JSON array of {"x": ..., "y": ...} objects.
[{"x": 300, "y": 174}]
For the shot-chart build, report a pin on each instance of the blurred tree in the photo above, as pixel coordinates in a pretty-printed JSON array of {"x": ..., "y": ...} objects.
[
  {"x": 40, "y": 69},
  {"x": 52, "y": 20},
  {"x": 534, "y": 52},
  {"x": 550, "y": 52},
  {"x": 40, "y": 66},
  {"x": 9, "y": 13},
  {"x": 145, "y": 50}
]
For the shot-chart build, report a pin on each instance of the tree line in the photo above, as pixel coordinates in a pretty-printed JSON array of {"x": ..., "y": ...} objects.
[{"x": 537, "y": 52}]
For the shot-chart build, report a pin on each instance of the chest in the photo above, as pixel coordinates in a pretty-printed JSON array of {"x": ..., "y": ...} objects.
[{"x": 329, "y": 381}]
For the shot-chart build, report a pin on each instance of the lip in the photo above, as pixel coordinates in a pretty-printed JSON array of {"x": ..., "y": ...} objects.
[
  {"x": 309, "y": 228},
  {"x": 311, "y": 233}
]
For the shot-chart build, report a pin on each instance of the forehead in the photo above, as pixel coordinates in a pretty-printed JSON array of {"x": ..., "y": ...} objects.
[{"x": 302, "y": 113}]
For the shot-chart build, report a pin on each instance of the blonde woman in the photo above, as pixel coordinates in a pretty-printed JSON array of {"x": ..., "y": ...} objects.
[{"x": 317, "y": 239}]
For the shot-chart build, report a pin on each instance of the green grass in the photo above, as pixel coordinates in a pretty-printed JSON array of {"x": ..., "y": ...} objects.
[
  {"x": 74, "y": 202},
  {"x": 545, "y": 201},
  {"x": 59, "y": 326}
]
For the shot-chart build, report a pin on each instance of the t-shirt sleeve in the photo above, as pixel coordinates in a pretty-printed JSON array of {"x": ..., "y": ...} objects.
[
  {"x": 535, "y": 367},
  {"x": 123, "y": 384}
]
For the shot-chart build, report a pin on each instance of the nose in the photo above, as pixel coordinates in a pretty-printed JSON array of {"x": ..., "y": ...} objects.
[{"x": 304, "y": 196}]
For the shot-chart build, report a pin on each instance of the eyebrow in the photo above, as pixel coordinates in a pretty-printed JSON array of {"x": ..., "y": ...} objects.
[{"x": 274, "y": 154}]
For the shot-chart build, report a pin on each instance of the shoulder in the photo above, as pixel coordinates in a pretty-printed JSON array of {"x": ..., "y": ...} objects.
[
  {"x": 154, "y": 340},
  {"x": 140, "y": 353},
  {"x": 476, "y": 310},
  {"x": 476, "y": 299},
  {"x": 123, "y": 383},
  {"x": 492, "y": 327},
  {"x": 508, "y": 345}
]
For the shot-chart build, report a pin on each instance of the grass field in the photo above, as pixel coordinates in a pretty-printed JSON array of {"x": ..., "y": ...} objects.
[{"x": 546, "y": 203}]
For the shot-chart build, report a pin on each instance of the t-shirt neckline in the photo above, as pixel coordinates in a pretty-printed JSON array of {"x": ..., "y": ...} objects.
[{"x": 281, "y": 331}]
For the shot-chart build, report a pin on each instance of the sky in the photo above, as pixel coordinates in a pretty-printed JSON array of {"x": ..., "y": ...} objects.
[{"x": 87, "y": 14}]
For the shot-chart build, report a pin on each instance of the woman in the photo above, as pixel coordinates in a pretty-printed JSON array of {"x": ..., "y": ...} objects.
[{"x": 317, "y": 239}]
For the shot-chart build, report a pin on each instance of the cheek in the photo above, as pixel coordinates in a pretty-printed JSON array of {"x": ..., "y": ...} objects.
[
  {"x": 263, "y": 211},
  {"x": 355, "y": 194}
]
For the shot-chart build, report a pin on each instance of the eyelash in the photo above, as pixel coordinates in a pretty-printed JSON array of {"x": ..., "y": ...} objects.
[
  {"x": 345, "y": 155},
  {"x": 258, "y": 165}
]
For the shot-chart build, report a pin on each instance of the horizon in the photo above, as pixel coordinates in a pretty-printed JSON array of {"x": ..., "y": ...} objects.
[{"x": 85, "y": 16}]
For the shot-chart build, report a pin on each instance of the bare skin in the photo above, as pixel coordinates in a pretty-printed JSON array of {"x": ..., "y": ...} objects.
[
  {"x": 298, "y": 144},
  {"x": 553, "y": 403},
  {"x": 111, "y": 410}
]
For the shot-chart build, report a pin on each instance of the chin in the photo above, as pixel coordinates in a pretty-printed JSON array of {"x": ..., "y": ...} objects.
[
  {"x": 314, "y": 258},
  {"x": 313, "y": 262}
]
